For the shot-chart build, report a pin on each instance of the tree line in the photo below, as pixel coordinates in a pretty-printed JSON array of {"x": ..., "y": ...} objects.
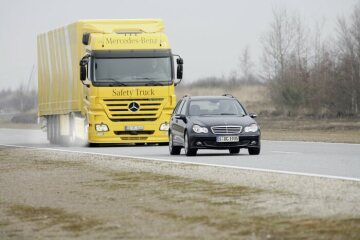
[
  {"x": 18, "y": 100},
  {"x": 307, "y": 72}
]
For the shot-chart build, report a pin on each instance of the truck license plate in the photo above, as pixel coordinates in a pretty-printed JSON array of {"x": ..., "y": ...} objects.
[
  {"x": 227, "y": 139},
  {"x": 134, "y": 128}
]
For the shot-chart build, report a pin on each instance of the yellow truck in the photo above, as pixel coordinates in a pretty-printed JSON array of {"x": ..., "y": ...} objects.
[{"x": 107, "y": 81}]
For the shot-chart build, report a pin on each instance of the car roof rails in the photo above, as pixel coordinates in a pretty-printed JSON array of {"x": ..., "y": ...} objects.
[{"x": 228, "y": 95}]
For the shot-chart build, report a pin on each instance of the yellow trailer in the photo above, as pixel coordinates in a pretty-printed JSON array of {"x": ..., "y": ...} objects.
[{"x": 107, "y": 81}]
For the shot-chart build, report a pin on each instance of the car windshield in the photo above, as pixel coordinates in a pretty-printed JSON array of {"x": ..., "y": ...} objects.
[
  {"x": 215, "y": 107},
  {"x": 132, "y": 71}
]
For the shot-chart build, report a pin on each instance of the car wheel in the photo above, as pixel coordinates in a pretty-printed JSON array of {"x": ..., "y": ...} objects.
[
  {"x": 254, "y": 150},
  {"x": 188, "y": 151},
  {"x": 234, "y": 150},
  {"x": 174, "y": 150}
]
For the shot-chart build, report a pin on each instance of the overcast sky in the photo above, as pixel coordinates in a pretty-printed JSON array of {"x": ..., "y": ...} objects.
[{"x": 209, "y": 35}]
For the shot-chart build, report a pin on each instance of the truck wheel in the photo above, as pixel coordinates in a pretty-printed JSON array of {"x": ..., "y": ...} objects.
[
  {"x": 52, "y": 129},
  {"x": 71, "y": 140},
  {"x": 188, "y": 150},
  {"x": 174, "y": 150},
  {"x": 57, "y": 129}
]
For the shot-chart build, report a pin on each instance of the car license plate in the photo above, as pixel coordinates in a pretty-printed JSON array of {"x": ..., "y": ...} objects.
[
  {"x": 227, "y": 139},
  {"x": 134, "y": 128}
]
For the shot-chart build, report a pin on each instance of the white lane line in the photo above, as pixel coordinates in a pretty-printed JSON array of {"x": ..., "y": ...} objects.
[
  {"x": 191, "y": 163},
  {"x": 283, "y": 152}
]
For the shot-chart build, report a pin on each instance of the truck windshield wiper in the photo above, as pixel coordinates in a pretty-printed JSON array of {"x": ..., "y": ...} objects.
[
  {"x": 113, "y": 80},
  {"x": 150, "y": 82},
  {"x": 153, "y": 83}
]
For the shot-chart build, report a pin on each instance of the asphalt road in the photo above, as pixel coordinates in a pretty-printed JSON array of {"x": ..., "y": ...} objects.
[{"x": 334, "y": 160}]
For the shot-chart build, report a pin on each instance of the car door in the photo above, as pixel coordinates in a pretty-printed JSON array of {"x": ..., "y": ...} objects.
[
  {"x": 182, "y": 123},
  {"x": 175, "y": 128}
]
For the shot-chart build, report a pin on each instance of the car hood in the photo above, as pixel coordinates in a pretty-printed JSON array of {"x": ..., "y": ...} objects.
[{"x": 223, "y": 120}]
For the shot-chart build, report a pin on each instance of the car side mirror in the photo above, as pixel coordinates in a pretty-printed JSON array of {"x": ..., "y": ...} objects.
[
  {"x": 252, "y": 115},
  {"x": 181, "y": 117}
]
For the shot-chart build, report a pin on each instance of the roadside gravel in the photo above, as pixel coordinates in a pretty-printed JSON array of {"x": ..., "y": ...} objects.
[{"x": 61, "y": 195}]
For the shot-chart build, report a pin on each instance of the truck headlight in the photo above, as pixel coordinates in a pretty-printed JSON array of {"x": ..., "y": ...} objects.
[
  {"x": 199, "y": 129},
  {"x": 101, "y": 127},
  {"x": 164, "y": 126},
  {"x": 251, "y": 128}
]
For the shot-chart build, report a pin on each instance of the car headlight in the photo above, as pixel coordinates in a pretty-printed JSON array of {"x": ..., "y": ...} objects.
[
  {"x": 164, "y": 127},
  {"x": 101, "y": 127},
  {"x": 251, "y": 128},
  {"x": 199, "y": 129}
]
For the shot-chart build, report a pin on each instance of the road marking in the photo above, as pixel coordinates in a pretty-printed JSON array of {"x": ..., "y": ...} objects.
[{"x": 191, "y": 163}]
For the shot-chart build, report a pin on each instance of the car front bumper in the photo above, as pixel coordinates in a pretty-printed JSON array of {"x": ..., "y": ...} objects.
[{"x": 209, "y": 142}]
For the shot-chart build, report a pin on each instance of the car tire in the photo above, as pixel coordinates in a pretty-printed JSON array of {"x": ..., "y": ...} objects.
[
  {"x": 234, "y": 150},
  {"x": 188, "y": 151},
  {"x": 174, "y": 150},
  {"x": 163, "y": 144},
  {"x": 254, "y": 150}
]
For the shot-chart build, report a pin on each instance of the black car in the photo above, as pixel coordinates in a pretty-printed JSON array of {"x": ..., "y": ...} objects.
[{"x": 216, "y": 122}]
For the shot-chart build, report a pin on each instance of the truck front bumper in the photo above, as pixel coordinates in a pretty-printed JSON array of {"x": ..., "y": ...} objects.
[{"x": 149, "y": 132}]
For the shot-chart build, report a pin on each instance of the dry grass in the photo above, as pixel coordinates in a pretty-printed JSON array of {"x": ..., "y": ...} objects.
[
  {"x": 317, "y": 130},
  {"x": 254, "y": 98},
  {"x": 103, "y": 203},
  {"x": 47, "y": 217}
]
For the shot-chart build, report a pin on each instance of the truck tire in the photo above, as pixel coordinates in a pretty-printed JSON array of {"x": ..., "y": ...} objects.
[
  {"x": 71, "y": 139},
  {"x": 51, "y": 129}
]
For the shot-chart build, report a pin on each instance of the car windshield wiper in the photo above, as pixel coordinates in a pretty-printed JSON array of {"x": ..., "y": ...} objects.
[{"x": 227, "y": 114}]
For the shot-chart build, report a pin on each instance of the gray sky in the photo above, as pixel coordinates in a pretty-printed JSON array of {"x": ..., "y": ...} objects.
[{"x": 209, "y": 35}]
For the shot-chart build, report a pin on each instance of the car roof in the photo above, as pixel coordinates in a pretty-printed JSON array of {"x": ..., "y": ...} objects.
[{"x": 208, "y": 97}]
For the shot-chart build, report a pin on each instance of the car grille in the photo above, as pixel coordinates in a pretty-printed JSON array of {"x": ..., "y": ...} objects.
[
  {"x": 118, "y": 109},
  {"x": 226, "y": 129}
]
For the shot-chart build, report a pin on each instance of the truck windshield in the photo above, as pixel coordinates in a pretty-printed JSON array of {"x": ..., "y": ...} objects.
[{"x": 132, "y": 71}]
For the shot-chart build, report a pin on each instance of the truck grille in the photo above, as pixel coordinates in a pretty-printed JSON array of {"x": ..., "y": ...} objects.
[
  {"x": 131, "y": 110},
  {"x": 226, "y": 129},
  {"x": 134, "y": 132}
]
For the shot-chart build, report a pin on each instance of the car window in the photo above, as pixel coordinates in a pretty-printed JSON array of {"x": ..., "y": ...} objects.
[
  {"x": 183, "y": 109},
  {"x": 177, "y": 106},
  {"x": 215, "y": 107},
  {"x": 180, "y": 106}
]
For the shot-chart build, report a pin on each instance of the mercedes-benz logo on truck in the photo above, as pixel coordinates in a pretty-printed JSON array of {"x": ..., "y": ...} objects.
[{"x": 134, "y": 107}]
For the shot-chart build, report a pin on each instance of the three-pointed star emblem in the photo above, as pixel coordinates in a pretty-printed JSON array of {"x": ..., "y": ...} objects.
[{"x": 134, "y": 107}]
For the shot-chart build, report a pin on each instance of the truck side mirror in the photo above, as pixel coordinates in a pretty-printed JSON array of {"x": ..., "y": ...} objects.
[
  {"x": 82, "y": 73},
  {"x": 83, "y": 63},
  {"x": 179, "y": 72}
]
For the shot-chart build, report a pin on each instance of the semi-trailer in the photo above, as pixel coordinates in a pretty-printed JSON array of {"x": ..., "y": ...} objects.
[{"x": 107, "y": 81}]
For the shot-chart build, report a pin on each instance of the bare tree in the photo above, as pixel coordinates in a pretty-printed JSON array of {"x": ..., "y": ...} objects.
[{"x": 246, "y": 65}]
